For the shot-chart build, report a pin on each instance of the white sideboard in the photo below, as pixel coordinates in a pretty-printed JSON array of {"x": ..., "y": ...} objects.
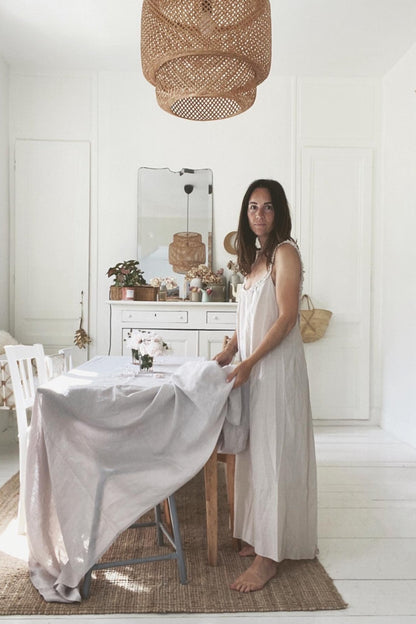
[{"x": 188, "y": 328}]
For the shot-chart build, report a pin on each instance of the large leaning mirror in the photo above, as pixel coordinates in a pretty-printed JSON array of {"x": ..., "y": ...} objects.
[{"x": 174, "y": 221}]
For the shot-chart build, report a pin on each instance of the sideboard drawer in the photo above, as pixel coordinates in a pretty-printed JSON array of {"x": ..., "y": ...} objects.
[
  {"x": 221, "y": 318},
  {"x": 154, "y": 316}
]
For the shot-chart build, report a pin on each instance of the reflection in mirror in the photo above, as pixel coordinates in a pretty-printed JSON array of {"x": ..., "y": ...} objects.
[{"x": 174, "y": 221}]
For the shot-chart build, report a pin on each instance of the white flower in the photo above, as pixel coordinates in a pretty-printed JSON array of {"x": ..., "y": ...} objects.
[
  {"x": 170, "y": 282},
  {"x": 147, "y": 343}
]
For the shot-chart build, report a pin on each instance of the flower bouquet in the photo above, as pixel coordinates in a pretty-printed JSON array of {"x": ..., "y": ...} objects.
[
  {"x": 167, "y": 285},
  {"x": 145, "y": 346},
  {"x": 204, "y": 281}
]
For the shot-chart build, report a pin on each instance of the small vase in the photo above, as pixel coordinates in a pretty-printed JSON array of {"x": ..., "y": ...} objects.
[
  {"x": 144, "y": 361},
  {"x": 205, "y": 297},
  {"x": 135, "y": 357},
  {"x": 218, "y": 292},
  {"x": 195, "y": 296}
]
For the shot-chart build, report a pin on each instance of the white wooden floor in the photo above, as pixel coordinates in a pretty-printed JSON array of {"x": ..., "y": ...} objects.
[{"x": 367, "y": 532}]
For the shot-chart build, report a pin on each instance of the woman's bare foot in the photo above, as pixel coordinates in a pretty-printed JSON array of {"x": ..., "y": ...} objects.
[
  {"x": 256, "y": 576},
  {"x": 247, "y": 551}
]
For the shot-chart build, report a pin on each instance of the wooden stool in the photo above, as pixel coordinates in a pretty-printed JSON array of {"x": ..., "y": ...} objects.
[
  {"x": 211, "y": 495},
  {"x": 211, "y": 500}
]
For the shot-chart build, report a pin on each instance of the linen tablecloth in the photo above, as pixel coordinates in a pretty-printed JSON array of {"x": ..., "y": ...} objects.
[{"x": 149, "y": 434}]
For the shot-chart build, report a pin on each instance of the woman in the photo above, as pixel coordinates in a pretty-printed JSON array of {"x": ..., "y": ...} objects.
[{"x": 275, "y": 497}]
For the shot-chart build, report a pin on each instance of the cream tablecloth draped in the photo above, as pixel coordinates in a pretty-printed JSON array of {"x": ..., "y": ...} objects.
[{"x": 149, "y": 434}]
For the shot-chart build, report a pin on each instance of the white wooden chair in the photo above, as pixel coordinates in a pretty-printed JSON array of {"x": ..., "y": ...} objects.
[
  {"x": 59, "y": 363},
  {"x": 67, "y": 354},
  {"x": 24, "y": 382}
]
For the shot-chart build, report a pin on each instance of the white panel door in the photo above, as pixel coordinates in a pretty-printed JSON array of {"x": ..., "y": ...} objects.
[
  {"x": 335, "y": 238},
  {"x": 51, "y": 243}
]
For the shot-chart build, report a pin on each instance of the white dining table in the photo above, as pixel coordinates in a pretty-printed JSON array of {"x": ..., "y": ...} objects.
[{"x": 151, "y": 432}]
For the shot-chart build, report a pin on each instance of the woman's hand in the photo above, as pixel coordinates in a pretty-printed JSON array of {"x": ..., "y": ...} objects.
[
  {"x": 224, "y": 357},
  {"x": 241, "y": 373}
]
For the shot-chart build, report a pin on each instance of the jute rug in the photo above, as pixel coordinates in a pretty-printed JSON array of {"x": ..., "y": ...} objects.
[{"x": 154, "y": 587}]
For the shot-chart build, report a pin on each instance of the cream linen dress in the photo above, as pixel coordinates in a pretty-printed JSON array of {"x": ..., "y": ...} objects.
[{"x": 275, "y": 507}]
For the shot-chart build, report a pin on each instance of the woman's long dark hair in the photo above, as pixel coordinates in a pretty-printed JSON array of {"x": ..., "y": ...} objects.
[{"x": 282, "y": 225}]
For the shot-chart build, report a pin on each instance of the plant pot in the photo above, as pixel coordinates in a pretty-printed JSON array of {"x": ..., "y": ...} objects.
[
  {"x": 140, "y": 293},
  {"x": 115, "y": 293},
  {"x": 218, "y": 292},
  {"x": 145, "y": 293}
]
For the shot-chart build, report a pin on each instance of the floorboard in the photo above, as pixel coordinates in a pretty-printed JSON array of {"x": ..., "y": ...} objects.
[{"x": 367, "y": 531}]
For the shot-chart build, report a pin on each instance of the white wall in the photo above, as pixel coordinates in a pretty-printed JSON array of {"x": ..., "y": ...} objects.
[
  {"x": 399, "y": 250},
  {"x": 4, "y": 195},
  {"x": 117, "y": 112},
  {"x": 134, "y": 132}
]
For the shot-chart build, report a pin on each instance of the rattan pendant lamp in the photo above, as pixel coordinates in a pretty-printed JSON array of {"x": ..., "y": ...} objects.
[{"x": 206, "y": 57}]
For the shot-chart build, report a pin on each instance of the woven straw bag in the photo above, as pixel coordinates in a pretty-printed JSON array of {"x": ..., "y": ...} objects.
[{"x": 313, "y": 321}]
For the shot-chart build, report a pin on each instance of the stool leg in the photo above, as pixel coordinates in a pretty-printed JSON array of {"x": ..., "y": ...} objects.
[
  {"x": 158, "y": 521},
  {"x": 211, "y": 502},
  {"x": 86, "y": 584},
  {"x": 230, "y": 463},
  {"x": 177, "y": 539},
  {"x": 166, "y": 513}
]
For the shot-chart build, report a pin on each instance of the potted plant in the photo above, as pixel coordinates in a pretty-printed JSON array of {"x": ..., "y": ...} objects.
[{"x": 129, "y": 282}]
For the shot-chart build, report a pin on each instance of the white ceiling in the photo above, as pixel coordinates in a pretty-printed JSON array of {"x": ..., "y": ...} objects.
[{"x": 310, "y": 37}]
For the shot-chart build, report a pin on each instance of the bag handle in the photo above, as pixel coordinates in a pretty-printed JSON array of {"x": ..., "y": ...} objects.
[{"x": 308, "y": 302}]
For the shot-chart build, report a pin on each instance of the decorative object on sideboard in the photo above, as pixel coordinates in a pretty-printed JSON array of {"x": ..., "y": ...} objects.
[
  {"x": 206, "y": 57},
  {"x": 168, "y": 288},
  {"x": 313, "y": 321},
  {"x": 145, "y": 346},
  {"x": 129, "y": 283},
  {"x": 187, "y": 248},
  {"x": 195, "y": 294},
  {"x": 235, "y": 282},
  {"x": 202, "y": 278},
  {"x": 81, "y": 338}
]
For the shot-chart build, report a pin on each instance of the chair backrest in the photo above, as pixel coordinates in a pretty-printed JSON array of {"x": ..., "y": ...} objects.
[
  {"x": 21, "y": 359},
  {"x": 59, "y": 363},
  {"x": 67, "y": 353}
]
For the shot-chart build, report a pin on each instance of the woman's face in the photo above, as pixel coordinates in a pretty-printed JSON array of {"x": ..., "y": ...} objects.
[{"x": 260, "y": 213}]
